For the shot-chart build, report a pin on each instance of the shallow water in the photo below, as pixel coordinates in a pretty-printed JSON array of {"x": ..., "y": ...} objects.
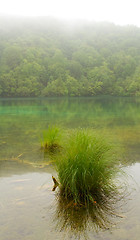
[
  {"x": 27, "y": 205},
  {"x": 23, "y": 120}
]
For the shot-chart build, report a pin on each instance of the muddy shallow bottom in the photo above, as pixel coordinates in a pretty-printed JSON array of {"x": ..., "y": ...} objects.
[{"x": 28, "y": 207}]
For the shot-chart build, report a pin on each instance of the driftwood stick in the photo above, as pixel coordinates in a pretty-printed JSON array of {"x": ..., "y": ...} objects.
[{"x": 55, "y": 183}]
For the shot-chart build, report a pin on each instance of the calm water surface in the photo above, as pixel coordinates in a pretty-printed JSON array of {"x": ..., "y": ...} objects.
[{"x": 28, "y": 207}]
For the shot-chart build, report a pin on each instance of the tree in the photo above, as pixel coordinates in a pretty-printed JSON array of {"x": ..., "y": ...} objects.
[
  {"x": 134, "y": 83},
  {"x": 12, "y": 57},
  {"x": 72, "y": 86},
  {"x": 51, "y": 58},
  {"x": 55, "y": 88}
]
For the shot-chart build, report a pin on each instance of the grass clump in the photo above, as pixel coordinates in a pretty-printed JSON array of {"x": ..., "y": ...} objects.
[
  {"x": 51, "y": 139},
  {"x": 87, "y": 169}
]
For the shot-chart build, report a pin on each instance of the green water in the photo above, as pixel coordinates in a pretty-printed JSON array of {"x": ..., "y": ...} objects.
[
  {"x": 27, "y": 205},
  {"x": 23, "y": 120}
]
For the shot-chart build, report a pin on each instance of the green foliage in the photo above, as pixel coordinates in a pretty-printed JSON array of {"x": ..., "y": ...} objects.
[
  {"x": 55, "y": 88},
  {"x": 12, "y": 57},
  {"x": 87, "y": 168},
  {"x": 51, "y": 139},
  {"x": 52, "y": 58}
]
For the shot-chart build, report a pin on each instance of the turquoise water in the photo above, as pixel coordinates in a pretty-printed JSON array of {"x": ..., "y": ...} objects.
[
  {"x": 27, "y": 205},
  {"x": 23, "y": 120}
]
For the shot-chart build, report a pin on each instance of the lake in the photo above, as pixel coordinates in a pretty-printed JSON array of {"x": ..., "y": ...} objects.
[{"x": 28, "y": 207}]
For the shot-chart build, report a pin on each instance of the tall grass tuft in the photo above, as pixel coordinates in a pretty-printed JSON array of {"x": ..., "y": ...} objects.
[
  {"x": 87, "y": 169},
  {"x": 50, "y": 140}
]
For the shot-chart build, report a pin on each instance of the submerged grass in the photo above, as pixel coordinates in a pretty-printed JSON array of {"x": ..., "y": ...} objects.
[{"x": 87, "y": 169}]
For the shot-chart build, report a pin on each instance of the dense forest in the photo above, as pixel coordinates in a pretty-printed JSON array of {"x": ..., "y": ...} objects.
[{"x": 49, "y": 57}]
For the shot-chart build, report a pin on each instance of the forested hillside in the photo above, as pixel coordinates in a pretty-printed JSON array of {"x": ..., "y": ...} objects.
[{"x": 48, "y": 57}]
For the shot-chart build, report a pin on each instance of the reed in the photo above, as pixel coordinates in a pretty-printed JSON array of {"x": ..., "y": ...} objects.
[
  {"x": 87, "y": 169},
  {"x": 50, "y": 140}
]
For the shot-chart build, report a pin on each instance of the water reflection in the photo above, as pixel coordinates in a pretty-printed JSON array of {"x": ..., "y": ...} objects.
[
  {"x": 8, "y": 168},
  {"x": 23, "y": 120},
  {"x": 27, "y": 207},
  {"x": 78, "y": 220}
]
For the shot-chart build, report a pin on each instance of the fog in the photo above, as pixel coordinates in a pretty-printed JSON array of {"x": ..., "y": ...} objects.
[{"x": 119, "y": 12}]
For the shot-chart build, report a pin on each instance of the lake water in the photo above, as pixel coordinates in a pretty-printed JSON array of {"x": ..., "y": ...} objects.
[{"x": 28, "y": 207}]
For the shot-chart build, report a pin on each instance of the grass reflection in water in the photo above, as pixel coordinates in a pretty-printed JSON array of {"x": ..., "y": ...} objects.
[
  {"x": 78, "y": 220},
  {"x": 88, "y": 190}
]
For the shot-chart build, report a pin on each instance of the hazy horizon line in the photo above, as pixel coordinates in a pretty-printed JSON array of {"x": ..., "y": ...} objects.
[{"x": 65, "y": 19}]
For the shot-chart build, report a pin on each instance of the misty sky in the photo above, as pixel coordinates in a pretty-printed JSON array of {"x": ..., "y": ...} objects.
[{"x": 118, "y": 11}]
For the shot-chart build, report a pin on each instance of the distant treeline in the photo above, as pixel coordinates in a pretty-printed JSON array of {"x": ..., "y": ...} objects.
[{"x": 49, "y": 57}]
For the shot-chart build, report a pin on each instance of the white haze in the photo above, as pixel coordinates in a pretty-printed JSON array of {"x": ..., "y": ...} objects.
[{"x": 121, "y": 12}]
